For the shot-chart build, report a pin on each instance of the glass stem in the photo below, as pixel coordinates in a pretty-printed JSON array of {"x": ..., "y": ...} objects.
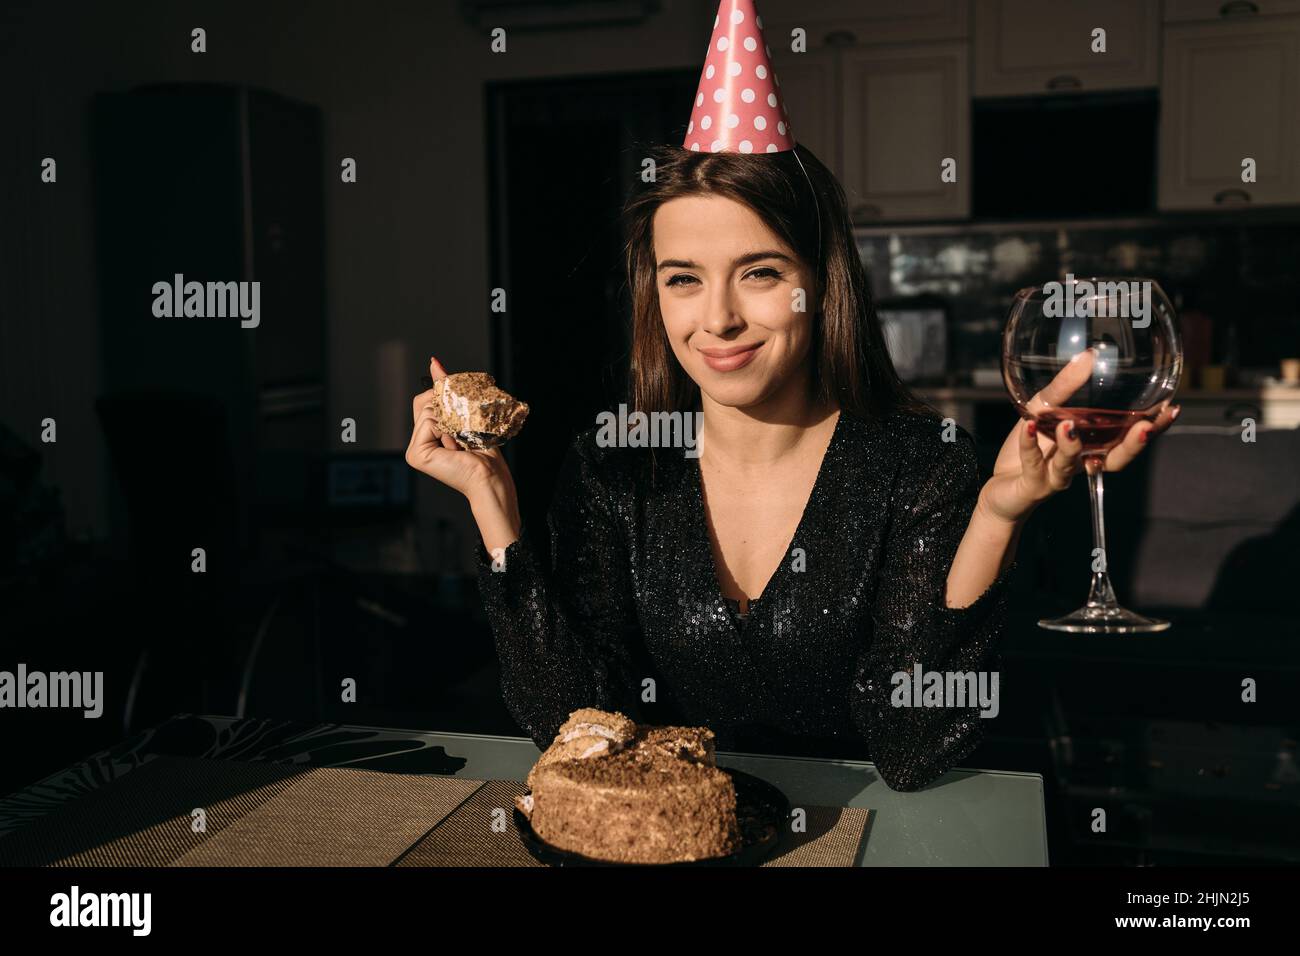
[{"x": 1100, "y": 594}]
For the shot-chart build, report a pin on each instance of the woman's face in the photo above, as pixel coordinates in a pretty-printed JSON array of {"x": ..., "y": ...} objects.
[{"x": 737, "y": 303}]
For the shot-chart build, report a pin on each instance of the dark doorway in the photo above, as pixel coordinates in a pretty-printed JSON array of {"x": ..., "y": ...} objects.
[{"x": 566, "y": 153}]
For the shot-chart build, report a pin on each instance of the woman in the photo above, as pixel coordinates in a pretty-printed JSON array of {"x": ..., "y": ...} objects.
[{"x": 826, "y": 538}]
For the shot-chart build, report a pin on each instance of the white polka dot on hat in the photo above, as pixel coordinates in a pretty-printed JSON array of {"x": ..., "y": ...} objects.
[{"x": 738, "y": 97}]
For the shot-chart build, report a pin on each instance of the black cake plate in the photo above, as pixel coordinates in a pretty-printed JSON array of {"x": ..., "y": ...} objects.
[{"x": 761, "y": 809}]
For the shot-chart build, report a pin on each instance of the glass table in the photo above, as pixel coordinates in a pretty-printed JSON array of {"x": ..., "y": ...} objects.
[{"x": 966, "y": 818}]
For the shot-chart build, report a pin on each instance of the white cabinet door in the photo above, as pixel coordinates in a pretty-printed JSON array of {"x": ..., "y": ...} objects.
[
  {"x": 1024, "y": 47},
  {"x": 839, "y": 22},
  {"x": 811, "y": 91},
  {"x": 1230, "y": 91},
  {"x": 906, "y": 110}
]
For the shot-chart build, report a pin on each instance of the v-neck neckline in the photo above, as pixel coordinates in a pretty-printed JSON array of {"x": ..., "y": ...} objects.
[{"x": 776, "y": 577}]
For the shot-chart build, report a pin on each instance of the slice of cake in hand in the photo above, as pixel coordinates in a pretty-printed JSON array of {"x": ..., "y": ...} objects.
[{"x": 475, "y": 412}]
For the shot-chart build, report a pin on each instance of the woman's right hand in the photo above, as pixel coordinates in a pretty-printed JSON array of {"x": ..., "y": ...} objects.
[{"x": 483, "y": 477}]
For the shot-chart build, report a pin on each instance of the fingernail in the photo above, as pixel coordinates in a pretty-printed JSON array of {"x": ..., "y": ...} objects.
[
  {"x": 1144, "y": 435},
  {"x": 1174, "y": 417},
  {"x": 1032, "y": 429},
  {"x": 1069, "y": 433}
]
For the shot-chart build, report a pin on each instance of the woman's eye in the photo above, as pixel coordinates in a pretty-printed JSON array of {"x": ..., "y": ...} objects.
[
  {"x": 680, "y": 279},
  {"x": 766, "y": 272}
]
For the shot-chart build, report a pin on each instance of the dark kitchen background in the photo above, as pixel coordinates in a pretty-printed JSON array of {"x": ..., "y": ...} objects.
[{"x": 479, "y": 170}]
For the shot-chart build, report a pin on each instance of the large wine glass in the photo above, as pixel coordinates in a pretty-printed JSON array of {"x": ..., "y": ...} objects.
[{"x": 1122, "y": 335}]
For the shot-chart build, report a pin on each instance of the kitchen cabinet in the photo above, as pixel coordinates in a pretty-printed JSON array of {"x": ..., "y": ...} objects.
[
  {"x": 1024, "y": 47},
  {"x": 1179, "y": 10},
  {"x": 906, "y": 109},
  {"x": 811, "y": 89},
  {"x": 1230, "y": 90},
  {"x": 831, "y": 23},
  {"x": 1272, "y": 406},
  {"x": 883, "y": 118}
]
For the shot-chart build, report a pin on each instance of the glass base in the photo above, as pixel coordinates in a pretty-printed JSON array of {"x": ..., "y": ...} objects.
[{"x": 1104, "y": 620}]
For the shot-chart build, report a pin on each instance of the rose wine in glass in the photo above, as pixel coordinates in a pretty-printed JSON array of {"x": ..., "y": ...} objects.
[
  {"x": 1099, "y": 429},
  {"x": 1103, "y": 353}
]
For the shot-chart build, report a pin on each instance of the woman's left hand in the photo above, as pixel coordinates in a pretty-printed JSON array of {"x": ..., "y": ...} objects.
[{"x": 1032, "y": 466}]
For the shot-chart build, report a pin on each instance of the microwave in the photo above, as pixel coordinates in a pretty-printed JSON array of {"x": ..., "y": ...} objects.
[{"x": 916, "y": 335}]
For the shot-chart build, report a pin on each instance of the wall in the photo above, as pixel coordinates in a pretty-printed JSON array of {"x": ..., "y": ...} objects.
[{"x": 401, "y": 88}]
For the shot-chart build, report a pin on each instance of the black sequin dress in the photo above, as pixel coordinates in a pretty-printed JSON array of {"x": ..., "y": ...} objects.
[{"x": 625, "y": 611}]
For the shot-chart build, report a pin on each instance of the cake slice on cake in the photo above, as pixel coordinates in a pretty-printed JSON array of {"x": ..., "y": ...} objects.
[
  {"x": 587, "y": 733},
  {"x": 685, "y": 743}
]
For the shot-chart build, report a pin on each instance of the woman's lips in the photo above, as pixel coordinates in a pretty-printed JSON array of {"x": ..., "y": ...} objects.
[{"x": 730, "y": 359}]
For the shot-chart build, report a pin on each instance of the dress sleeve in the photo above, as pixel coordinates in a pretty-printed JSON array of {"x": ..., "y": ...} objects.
[
  {"x": 564, "y": 622},
  {"x": 912, "y": 746}
]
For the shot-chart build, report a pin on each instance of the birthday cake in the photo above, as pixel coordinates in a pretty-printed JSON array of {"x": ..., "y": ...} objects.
[
  {"x": 611, "y": 790},
  {"x": 475, "y": 412}
]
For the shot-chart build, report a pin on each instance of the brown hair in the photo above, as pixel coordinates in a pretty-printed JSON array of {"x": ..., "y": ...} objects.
[{"x": 851, "y": 365}]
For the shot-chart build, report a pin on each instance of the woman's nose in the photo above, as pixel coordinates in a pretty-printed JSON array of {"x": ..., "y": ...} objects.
[{"x": 722, "y": 316}]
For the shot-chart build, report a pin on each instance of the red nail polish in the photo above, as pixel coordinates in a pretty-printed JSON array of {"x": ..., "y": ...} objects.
[
  {"x": 1070, "y": 433},
  {"x": 1032, "y": 429},
  {"x": 1144, "y": 435}
]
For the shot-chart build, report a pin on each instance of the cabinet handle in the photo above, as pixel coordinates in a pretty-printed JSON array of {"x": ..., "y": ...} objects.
[
  {"x": 1224, "y": 195},
  {"x": 1238, "y": 8},
  {"x": 841, "y": 38},
  {"x": 866, "y": 211},
  {"x": 1064, "y": 82}
]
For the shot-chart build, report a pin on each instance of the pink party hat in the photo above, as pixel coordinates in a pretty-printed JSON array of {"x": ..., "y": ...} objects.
[{"x": 738, "y": 107}]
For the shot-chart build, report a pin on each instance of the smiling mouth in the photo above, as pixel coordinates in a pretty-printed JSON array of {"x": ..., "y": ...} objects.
[{"x": 730, "y": 359}]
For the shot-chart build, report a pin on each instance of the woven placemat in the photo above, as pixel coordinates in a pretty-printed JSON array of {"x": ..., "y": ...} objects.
[
  {"x": 333, "y": 816},
  {"x": 481, "y": 832},
  {"x": 264, "y": 814},
  {"x": 255, "y": 814},
  {"x": 833, "y": 836},
  {"x": 144, "y": 818}
]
